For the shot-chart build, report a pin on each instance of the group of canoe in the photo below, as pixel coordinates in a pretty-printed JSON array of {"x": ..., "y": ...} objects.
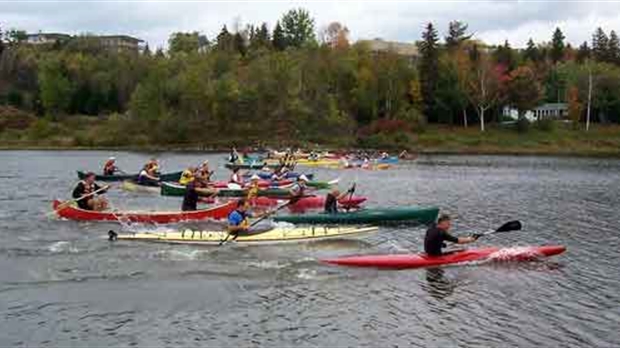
[{"x": 272, "y": 189}]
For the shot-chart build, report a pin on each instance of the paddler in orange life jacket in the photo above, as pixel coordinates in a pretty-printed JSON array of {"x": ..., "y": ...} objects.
[
  {"x": 87, "y": 187},
  {"x": 110, "y": 168},
  {"x": 438, "y": 234}
]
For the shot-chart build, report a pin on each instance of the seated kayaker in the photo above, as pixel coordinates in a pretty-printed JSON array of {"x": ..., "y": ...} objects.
[
  {"x": 236, "y": 179},
  {"x": 110, "y": 168},
  {"x": 438, "y": 234},
  {"x": 203, "y": 173},
  {"x": 146, "y": 179},
  {"x": 190, "y": 198},
  {"x": 299, "y": 187},
  {"x": 233, "y": 156},
  {"x": 254, "y": 187},
  {"x": 238, "y": 219},
  {"x": 86, "y": 187},
  {"x": 187, "y": 176},
  {"x": 152, "y": 167},
  {"x": 384, "y": 155},
  {"x": 332, "y": 198}
]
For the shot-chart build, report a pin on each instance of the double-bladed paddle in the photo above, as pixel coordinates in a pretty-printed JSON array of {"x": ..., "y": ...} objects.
[{"x": 507, "y": 227}]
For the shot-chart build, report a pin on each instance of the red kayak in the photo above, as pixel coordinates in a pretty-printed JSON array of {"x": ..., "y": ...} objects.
[
  {"x": 307, "y": 203},
  {"x": 401, "y": 261},
  {"x": 74, "y": 213}
]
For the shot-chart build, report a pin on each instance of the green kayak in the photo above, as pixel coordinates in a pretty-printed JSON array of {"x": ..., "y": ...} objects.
[
  {"x": 173, "y": 189},
  {"x": 418, "y": 215},
  {"x": 232, "y": 166}
]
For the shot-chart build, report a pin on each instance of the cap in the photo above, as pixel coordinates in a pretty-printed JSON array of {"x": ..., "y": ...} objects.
[
  {"x": 255, "y": 177},
  {"x": 303, "y": 177},
  {"x": 112, "y": 158}
]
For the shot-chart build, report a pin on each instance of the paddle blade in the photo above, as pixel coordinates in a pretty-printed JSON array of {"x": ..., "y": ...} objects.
[{"x": 510, "y": 226}]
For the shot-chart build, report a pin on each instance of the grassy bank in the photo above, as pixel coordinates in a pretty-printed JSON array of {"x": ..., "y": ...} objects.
[{"x": 555, "y": 139}]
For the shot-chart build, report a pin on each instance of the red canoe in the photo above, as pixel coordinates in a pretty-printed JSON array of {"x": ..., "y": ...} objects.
[
  {"x": 307, "y": 203},
  {"x": 74, "y": 213},
  {"x": 401, "y": 261}
]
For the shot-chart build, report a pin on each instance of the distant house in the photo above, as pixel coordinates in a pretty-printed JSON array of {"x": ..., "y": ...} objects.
[
  {"x": 405, "y": 49},
  {"x": 554, "y": 111},
  {"x": 120, "y": 42},
  {"x": 46, "y": 38}
]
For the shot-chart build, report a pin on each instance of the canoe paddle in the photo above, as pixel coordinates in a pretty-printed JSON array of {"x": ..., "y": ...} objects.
[
  {"x": 507, "y": 227},
  {"x": 66, "y": 203},
  {"x": 352, "y": 191}
]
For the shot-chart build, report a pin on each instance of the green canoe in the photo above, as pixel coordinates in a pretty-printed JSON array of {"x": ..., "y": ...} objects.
[
  {"x": 418, "y": 215},
  {"x": 232, "y": 166},
  {"x": 174, "y": 176},
  {"x": 172, "y": 189}
]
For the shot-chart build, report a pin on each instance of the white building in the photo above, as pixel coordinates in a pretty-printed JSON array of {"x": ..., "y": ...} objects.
[{"x": 554, "y": 111}]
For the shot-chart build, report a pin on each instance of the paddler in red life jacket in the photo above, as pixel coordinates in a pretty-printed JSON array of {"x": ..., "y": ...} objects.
[
  {"x": 110, "y": 168},
  {"x": 86, "y": 187},
  {"x": 438, "y": 234}
]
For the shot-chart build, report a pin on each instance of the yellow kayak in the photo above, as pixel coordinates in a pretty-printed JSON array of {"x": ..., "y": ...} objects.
[{"x": 275, "y": 235}]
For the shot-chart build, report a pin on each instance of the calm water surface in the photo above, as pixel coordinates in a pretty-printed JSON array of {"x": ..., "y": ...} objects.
[{"x": 63, "y": 284}]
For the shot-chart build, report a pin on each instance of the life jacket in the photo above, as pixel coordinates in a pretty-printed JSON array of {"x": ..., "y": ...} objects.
[
  {"x": 87, "y": 188},
  {"x": 186, "y": 177},
  {"x": 236, "y": 179},
  {"x": 108, "y": 168},
  {"x": 253, "y": 191}
]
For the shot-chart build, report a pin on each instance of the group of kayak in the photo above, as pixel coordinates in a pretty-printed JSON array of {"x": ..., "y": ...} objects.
[{"x": 196, "y": 186}]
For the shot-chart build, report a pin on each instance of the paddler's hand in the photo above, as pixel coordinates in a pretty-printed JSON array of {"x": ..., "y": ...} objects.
[{"x": 474, "y": 237}]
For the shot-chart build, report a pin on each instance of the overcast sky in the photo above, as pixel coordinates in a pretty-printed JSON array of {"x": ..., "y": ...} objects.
[{"x": 153, "y": 21}]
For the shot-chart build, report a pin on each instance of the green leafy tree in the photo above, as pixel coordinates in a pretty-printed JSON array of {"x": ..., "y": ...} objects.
[
  {"x": 557, "y": 46},
  {"x": 613, "y": 48},
  {"x": 505, "y": 56},
  {"x": 55, "y": 87},
  {"x": 298, "y": 28},
  {"x": 429, "y": 69},
  {"x": 524, "y": 92},
  {"x": 187, "y": 42},
  {"x": 225, "y": 40}
]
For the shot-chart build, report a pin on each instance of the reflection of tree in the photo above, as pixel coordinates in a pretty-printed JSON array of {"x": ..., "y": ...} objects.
[{"x": 439, "y": 286}]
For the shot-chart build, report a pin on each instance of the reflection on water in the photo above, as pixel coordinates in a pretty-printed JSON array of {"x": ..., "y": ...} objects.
[{"x": 438, "y": 285}]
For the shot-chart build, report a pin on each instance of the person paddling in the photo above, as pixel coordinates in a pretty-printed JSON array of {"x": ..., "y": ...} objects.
[
  {"x": 332, "y": 198},
  {"x": 110, "y": 168},
  {"x": 86, "y": 187},
  {"x": 190, "y": 199},
  {"x": 236, "y": 180},
  {"x": 438, "y": 234},
  {"x": 238, "y": 219},
  {"x": 299, "y": 188},
  {"x": 187, "y": 176},
  {"x": 146, "y": 178},
  {"x": 233, "y": 157}
]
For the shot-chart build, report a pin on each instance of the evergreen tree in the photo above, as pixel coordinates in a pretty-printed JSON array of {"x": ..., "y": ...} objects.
[
  {"x": 1, "y": 42},
  {"x": 505, "y": 56},
  {"x": 278, "y": 40},
  {"x": 147, "y": 51},
  {"x": 225, "y": 41},
  {"x": 456, "y": 34},
  {"x": 583, "y": 53},
  {"x": 613, "y": 48},
  {"x": 600, "y": 44},
  {"x": 429, "y": 69},
  {"x": 557, "y": 46},
  {"x": 239, "y": 43},
  {"x": 531, "y": 52}
]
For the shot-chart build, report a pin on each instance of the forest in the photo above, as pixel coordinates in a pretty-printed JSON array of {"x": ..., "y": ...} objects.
[{"x": 298, "y": 84}]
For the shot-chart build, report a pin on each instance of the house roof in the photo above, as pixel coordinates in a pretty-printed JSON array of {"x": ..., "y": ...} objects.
[
  {"x": 122, "y": 37},
  {"x": 552, "y": 106},
  {"x": 52, "y": 35},
  {"x": 402, "y": 48}
]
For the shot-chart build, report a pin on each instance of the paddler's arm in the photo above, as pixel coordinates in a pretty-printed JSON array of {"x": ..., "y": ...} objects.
[
  {"x": 105, "y": 188},
  {"x": 458, "y": 240}
]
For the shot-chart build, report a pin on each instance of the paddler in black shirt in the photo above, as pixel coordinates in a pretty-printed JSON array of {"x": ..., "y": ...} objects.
[
  {"x": 438, "y": 234},
  {"x": 332, "y": 198},
  {"x": 190, "y": 199},
  {"x": 85, "y": 190}
]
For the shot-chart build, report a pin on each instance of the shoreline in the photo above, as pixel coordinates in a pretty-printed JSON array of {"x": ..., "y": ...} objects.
[{"x": 611, "y": 154}]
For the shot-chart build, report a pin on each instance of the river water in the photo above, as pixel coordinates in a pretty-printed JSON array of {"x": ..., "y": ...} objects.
[{"x": 63, "y": 284}]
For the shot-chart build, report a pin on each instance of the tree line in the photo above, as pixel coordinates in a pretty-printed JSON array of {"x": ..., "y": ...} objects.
[{"x": 297, "y": 83}]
